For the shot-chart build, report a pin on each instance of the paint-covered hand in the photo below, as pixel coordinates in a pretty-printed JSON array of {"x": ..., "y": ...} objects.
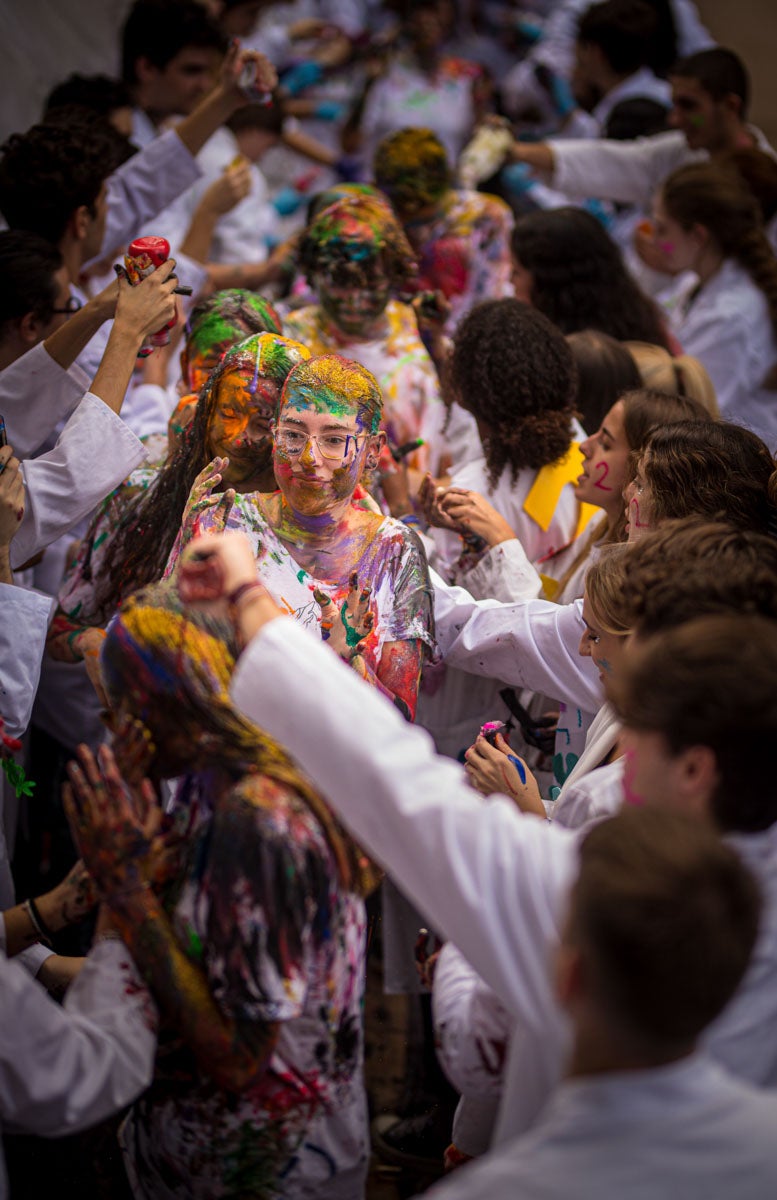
[
  {"x": 430, "y": 502},
  {"x": 149, "y": 305},
  {"x": 472, "y": 513},
  {"x": 70, "y": 900},
  {"x": 232, "y": 186},
  {"x": 87, "y": 645},
  {"x": 113, "y": 827},
  {"x": 493, "y": 769},
  {"x": 11, "y": 496},
  {"x": 346, "y": 627},
  {"x": 203, "y": 498},
  {"x": 133, "y": 749}
]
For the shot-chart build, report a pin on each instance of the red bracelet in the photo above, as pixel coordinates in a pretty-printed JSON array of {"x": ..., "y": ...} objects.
[{"x": 242, "y": 588}]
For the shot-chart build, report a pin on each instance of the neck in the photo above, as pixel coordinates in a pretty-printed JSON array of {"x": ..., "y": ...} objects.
[
  {"x": 709, "y": 262},
  {"x": 428, "y": 59},
  {"x": 315, "y": 530},
  {"x": 605, "y": 1050},
  {"x": 609, "y": 79},
  {"x": 70, "y": 249}
]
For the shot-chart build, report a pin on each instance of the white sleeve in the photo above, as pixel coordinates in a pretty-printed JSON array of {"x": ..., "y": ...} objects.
[
  {"x": 95, "y": 451},
  {"x": 527, "y": 644},
  {"x": 23, "y": 629},
  {"x": 35, "y": 395},
  {"x": 625, "y": 172},
  {"x": 504, "y": 573},
  {"x": 144, "y": 185},
  {"x": 483, "y": 875},
  {"x": 471, "y": 1027},
  {"x": 720, "y": 341},
  {"x": 692, "y": 36},
  {"x": 64, "y": 1069}
]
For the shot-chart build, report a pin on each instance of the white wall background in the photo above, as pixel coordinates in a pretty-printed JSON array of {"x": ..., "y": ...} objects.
[{"x": 43, "y": 41}]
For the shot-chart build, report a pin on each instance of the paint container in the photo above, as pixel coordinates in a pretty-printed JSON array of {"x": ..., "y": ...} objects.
[
  {"x": 143, "y": 257},
  {"x": 491, "y": 729}
]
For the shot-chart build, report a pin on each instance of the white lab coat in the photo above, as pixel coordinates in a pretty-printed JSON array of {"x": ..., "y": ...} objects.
[
  {"x": 686, "y": 1131},
  {"x": 94, "y": 452},
  {"x": 727, "y": 326},
  {"x": 493, "y": 881},
  {"x": 36, "y": 393},
  {"x": 64, "y": 1069}
]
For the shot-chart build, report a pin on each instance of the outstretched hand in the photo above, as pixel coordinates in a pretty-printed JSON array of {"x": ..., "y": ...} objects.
[
  {"x": 113, "y": 827},
  {"x": 345, "y": 628},
  {"x": 203, "y": 498}
]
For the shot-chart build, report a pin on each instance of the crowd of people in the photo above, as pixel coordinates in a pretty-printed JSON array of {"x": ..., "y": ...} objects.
[{"x": 388, "y": 567}]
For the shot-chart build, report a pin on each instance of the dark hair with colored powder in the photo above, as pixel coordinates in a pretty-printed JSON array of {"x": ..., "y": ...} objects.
[
  {"x": 221, "y": 320},
  {"x": 139, "y": 550},
  {"x": 357, "y": 229},
  {"x": 513, "y": 370},
  {"x": 579, "y": 280},
  {"x": 332, "y": 377},
  {"x": 412, "y": 168}
]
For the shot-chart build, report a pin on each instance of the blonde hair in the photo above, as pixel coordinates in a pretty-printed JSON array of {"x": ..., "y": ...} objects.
[
  {"x": 683, "y": 375},
  {"x": 604, "y": 586}
]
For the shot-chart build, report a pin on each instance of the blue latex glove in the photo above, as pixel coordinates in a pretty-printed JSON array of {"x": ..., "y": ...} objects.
[
  {"x": 304, "y": 75},
  {"x": 287, "y": 201},
  {"x": 601, "y": 210},
  {"x": 529, "y": 30},
  {"x": 517, "y": 178},
  {"x": 329, "y": 110},
  {"x": 561, "y": 95}
]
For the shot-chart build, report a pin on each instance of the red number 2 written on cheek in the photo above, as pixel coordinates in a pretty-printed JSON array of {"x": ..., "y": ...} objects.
[{"x": 603, "y": 470}]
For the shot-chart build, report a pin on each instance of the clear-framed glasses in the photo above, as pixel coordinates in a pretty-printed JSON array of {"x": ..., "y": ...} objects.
[
  {"x": 72, "y": 306},
  {"x": 334, "y": 447}
]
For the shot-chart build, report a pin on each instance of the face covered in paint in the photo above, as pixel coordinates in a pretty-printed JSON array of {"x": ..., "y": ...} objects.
[
  {"x": 241, "y": 427},
  {"x": 606, "y": 455},
  {"x": 323, "y": 441},
  {"x": 354, "y": 293}
]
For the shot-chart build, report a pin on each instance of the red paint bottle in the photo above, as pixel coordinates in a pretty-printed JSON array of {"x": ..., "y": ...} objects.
[{"x": 143, "y": 256}]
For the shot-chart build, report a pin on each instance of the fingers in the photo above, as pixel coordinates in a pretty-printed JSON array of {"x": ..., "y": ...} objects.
[{"x": 224, "y": 505}]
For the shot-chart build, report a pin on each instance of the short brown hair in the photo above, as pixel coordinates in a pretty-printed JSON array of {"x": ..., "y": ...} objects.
[
  {"x": 712, "y": 682},
  {"x": 669, "y": 916},
  {"x": 694, "y": 567}
]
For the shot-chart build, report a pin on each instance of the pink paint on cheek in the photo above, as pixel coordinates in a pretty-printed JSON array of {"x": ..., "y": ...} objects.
[
  {"x": 666, "y": 247},
  {"x": 630, "y": 794},
  {"x": 635, "y": 516},
  {"x": 603, "y": 470}
]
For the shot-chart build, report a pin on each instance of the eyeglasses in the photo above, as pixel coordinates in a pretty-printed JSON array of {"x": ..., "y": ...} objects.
[
  {"x": 334, "y": 447},
  {"x": 72, "y": 306}
]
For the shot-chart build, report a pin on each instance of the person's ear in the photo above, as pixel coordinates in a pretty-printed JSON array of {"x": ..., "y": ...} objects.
[
  {"x": 30, "y": 329},
  {"x": 701, "y": 235},
  {"x": 145, "y": 69},
  {"x": 696, "y": 777},
  {"x": 375, "y": 444},
  {"x": 80, "y": 221},
  {"x": 732, "y": 105}
]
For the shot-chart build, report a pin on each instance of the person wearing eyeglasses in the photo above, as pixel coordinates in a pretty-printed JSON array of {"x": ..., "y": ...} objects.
[{"x": 342, "y": 570}]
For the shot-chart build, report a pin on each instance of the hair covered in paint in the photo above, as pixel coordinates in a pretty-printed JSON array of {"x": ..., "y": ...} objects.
[
  {"x": 411, "y": 167},
  {"x": 356, "y": 230},
  {"x": 172, "y": 668},
  {"x": 217, "y": 323},
  {"x": 139, "y": 550},
  {"x": 335, "y": 384}
]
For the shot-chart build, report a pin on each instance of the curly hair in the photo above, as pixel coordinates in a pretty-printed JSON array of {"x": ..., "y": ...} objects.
[
  {"x": 411, "y": 167},
  {"x": 53, "y": 169},
  {"x": 713, "y": 468},
  {"x": 513, "y": 370},
  {"x": 139, "y": 549},
  {"x": 579, "y": 280},
  {"x": 693, "y": 566},
  {"x": 357, "y": 229}
]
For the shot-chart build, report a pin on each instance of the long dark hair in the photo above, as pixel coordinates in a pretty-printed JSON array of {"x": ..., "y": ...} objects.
[
  {"x": 138, "y": 551},
  {"x": 579, "y": 280}
]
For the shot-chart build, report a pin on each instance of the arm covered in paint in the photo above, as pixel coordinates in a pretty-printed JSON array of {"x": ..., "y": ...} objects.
[
  {"x": 528, "y": 643},
  {"x": 229, "y": 1043}
]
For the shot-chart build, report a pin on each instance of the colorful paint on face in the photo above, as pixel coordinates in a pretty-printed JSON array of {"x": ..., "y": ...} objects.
[
  {"x": 230, "y": 316},
  {"x": 598, "y": 644},
  {"x": 354, "y": 296},
  {"x": 606, "y": 455},
  {"x": 241, "y": 427},
  {"x": 639, "y": 504}
]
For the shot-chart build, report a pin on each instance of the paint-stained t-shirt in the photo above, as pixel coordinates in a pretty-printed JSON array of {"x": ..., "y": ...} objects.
[
  {"x": 258, "y": 906},
  {"x": 393, "y": 564},
  {"x": 412, "y": 405}
]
